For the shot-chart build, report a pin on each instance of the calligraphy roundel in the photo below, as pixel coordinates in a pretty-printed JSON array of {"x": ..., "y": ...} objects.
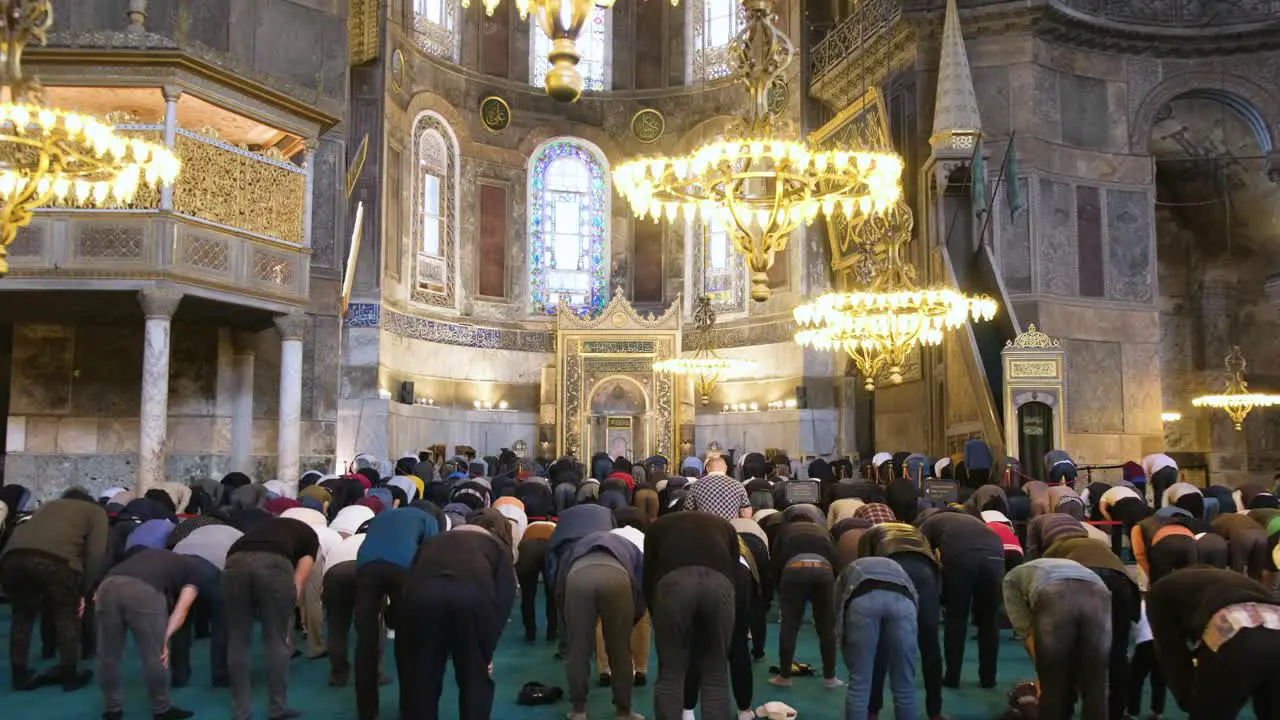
[
  {"x": 777, "y": 97},
  {"x": 648, "y": 125},
  {"x": 495, "y": 114}
]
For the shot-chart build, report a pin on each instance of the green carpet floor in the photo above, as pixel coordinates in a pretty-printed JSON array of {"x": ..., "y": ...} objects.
[{"x": 516, "y": 663}]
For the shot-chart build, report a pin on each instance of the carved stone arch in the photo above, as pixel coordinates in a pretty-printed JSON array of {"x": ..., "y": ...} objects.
[
  {"x": 426, "y": 101},
  {"x": 603, "y": 143},
  {"x": 1256, "y": 105}
]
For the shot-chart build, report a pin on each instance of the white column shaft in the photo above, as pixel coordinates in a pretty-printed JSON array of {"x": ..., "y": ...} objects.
[
  {"x": 290, "y": 434},
  {"x": 153, "y": 425}
]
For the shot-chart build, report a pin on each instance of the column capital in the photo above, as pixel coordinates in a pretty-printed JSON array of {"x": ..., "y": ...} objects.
[
  {"x": 292, "y": 326},
  {"x": 171, "y": 92},
  {"x": 160, "y": 301},
  {"x": 244, "y": 342}
]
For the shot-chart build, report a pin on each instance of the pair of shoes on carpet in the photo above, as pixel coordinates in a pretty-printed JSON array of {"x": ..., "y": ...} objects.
[
  {"x": 535, "y": 693},
  {"x": 797, "y": 670},
  {"x": 70, "y": 679}
]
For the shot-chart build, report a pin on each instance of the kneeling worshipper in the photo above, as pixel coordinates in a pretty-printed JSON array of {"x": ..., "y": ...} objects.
[
  {"x": 804, "y": 563},
  {"x": 1062, "y": 611},
  {"x": 1125, "y": 606},
  {"x": 601, "y": 584},
  {"x": 1217, "y": 637},
  {"x": 690, "y": 561},
  {"x": 905, "y": 545},
  {"x": 455, "y": 603},
  {"x": 266, "y": 571},
  {"x": 972, "y": 558},
  {"x": 146, "y": 596},
  {"x": 382, "y": 565},
  {"x": 49, "y": 564},
  {"x": 876, "y": 624}
]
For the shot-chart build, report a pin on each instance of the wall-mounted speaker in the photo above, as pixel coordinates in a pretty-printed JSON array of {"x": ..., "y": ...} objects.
[
  {"x": 802, "y": 397},
  {"x": 406, "y": 393}
]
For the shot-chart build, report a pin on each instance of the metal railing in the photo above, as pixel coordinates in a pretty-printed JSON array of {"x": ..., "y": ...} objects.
[
  {"x": 1179, "y": 14},
  {"x": 870, "y": 18}
]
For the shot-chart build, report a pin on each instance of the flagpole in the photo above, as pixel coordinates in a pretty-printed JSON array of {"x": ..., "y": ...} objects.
[{"x": 995, "y": 192}]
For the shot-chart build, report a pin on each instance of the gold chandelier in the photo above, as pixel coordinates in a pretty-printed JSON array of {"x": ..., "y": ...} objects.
[
  {"x": 706, "y": 367},
  {"x": 1237, "y": 401},
  {"x": 562, "y": 22},
  {"x": 886, "y": 313},
  {"x": 51, "y": 155},
  {"x": 758, "y": 182}
]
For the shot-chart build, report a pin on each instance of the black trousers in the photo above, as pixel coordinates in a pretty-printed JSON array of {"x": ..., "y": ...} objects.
[
  {"x": 88, "y": 632},
  {"x": 209, "y": 604},
  {"x": 693, "y": 616},
  {"x": 924, "y": 576},
  {"x": 1161, "y": 480},
  {"x": 1144, "y": 663},
  {"x": 1124, "y": 612},
  {"x": 803, "y": 583},
  {"x": 1071, "y": 625},
  {"x": 442, "y": 619},
  {"x": 740, "y": 678},
  {"x": 38, "y": 583},
  {"x": 1243, "y": 669},
  {"x": 972, "y": 582},
  {"x": 338, "y": 595},
  {"x": 377, "y": 583},
  {"x": 531, "y": 566}
]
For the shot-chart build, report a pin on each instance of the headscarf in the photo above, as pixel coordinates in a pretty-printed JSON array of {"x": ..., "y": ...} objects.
[
  {"x": 309, "y": 478},
  {"x": 350, "y": 518},
  {"x": 320, "y": 494},
  {"x": 514, "y": 513},
  {"x": 917, "y": 468},
  {"x": 231, "y": 482},
  {"x": 368, "y": 477},
  {"x": 406, "y": 464},
  {"x": 692, "y": 462},
  {"x": 747, "y": 526},
  {"x": 903, "y": 498},
  {"x": 1134, "y": 473},
  {"x": 306, "y": 515},
  {"x": 373, "y": 503},
  {"x": 424, "y": 471},
  {"x": 145, "y": 509},
  {"x": 820, "y": 470},
  {"x": 248, "y": 496},
  {"x": 879, "y": 459},
  {"x": 160, "y": 497},
  {"x": 456, "y": 514},
  {"x": 942, "y": 469},
  {"x": 349, "y": 491},
  {"x": 103, "y": 496},
  {"x": 278, "y": 505},
  {"x": 805, "y": 510},
  {"x": 278, "y": 487}
]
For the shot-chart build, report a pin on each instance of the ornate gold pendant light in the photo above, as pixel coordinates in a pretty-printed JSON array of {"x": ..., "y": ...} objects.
[
  {"x": 51, "y": 155},
  {"x": 759, "y": 182},
  {"x": 706, "y": 367},
  {"x": 1237, "y": 401},
  {"x": 562, "y": 22},
  {"x": 886, "y": 313}
]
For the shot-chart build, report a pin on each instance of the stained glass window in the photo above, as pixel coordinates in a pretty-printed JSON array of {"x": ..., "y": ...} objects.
[
  {"x": 593, "y": 45},
  {"x": 713, "y": 23},
  {"x": 719, "y": 271},
  {"x": 434, "y": 27},
  {"x": 568, "y": 226}
]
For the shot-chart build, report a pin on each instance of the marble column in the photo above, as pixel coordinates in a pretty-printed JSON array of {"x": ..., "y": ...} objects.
[
  {"x": 241, "y": 460},
  {"x": 308, "y": 198},
  {"x": 292, "y": 328},
  {"x": 171, "y": 94},
  {"x": 158, "y": 306}
]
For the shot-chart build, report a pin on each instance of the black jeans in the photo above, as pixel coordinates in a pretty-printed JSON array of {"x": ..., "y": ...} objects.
[
  {"x": 209, "y": 604},
  {"x": 1161, "y": 480},
  {"x": 1144, "y": 662},
  {"x": 924, "y": 576},
  {"x": 972, "y": 582},
  {"x": 531, "y": 566},
  {"x": 339, "y": 598},
  {"x": 693, "y": 616},
  {"x": 37, "y": 583},
  {"x": 376, "y": 583},
  {"x": 1071, "y": 626},
  {"x": 1124, "y": 612},
  {"x": 441, "y": 619},
  {"x": 1243, "y": 669},
  {"x": 260, "y": 586},
  {"x": 807, "y": 582}
]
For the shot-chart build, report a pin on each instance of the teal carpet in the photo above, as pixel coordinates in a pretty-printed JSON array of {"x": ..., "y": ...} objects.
[{"x": 516, "y": 663}]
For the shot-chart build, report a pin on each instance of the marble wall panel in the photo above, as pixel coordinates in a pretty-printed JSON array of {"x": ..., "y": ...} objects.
[
  {"x": 1015, "y": 243},
  {"x": 118, "y": 435},
  {"x": 1055, "y": 229},
  {"x": 1085, "y": 117},
  {"x": 1095, "y": 381},
  {"x": 42, "y": 434},
  {"x": 327, "y": 212},
  {"x": 77, "y": 436},
  {"x": 1046, "y": 113},
  {"x": 193, "y": 369},
  {"x": 15, "y": 439},
  {"x": 1130, "y": 234},
  {"x": 42, "y": 369},
  {"x": 1090, "y": 266},
  {"x": 1142, "y": 391},
  {"x": 326, "y": 338},
  {"x": 186, "y": 468},
  {"x": 108, "y": 365},
  {"x": 991, "y": 84}
]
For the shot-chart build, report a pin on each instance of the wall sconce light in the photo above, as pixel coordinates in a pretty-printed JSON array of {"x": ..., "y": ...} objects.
[
  {"x": 1170, "y": 417},
  {"x": 755, "y": 407},
  {"x": 425, "y": 402}
]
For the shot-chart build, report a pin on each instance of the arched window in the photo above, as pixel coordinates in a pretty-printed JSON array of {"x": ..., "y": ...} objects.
[
  {"x": 435, "y": 216},
  {"x": 568, "y": 226},
  {"x": 435, "y": 27},
  {"x": 713, "y": 23},
  {"x": 593, "y": 45},
  {"x": 718, "y": 270}
]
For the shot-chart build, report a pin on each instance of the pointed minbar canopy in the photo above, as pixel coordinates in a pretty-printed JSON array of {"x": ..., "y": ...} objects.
[{"x": 956, "y": 125}]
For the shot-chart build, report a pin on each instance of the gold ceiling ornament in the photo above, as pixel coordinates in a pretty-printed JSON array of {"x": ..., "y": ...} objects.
[
  {"x": 885, "y": 313},
  {"x": 706, "y": 367},
  {"x": 759, "y": 182},
  {"x": 562, "y": 22},
  {"x": 51, "y": 155},
  {"x": 1237, "y": 401}
]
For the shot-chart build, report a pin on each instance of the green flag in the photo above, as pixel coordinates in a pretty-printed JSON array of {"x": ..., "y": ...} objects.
[
  {"x": 1012, "y": 193},
  {"x": 978, "y": 181}
]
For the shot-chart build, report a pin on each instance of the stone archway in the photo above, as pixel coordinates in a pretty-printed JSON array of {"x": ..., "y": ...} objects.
[{"x": 1258, "y": 106}]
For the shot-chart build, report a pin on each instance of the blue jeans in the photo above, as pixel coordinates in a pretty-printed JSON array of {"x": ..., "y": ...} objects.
[{"x": 880, "y": 617}]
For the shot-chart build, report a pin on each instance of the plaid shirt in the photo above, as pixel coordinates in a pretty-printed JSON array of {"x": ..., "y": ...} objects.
[
  {"x": 875, "y": 513},
  {"x": 717, "y": 494},
  {"x": 1233, "y": 618}
]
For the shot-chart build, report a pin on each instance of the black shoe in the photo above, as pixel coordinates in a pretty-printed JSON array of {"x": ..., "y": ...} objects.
[
  {"x": 952, "y": 683},
  {"x": 174, "y": 713},
  {"x": 73, "y": 681},
  {"x": 24, "y": 679},
  {"x": 640, "y": 680},
  {"x": 113, "y": 715},
  {"x": 338, "y": 681},
  {"x": 986, "y": 684},
  {"x": 221, "y": 682},
  {"x": 605, "y": 680},
  {"x": 287, "y": 714}
]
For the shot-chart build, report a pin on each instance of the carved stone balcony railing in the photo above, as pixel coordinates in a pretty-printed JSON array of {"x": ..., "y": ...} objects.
[
  {"x": 870, "y": 20},
  {"x": 1187, "y": 14}
]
